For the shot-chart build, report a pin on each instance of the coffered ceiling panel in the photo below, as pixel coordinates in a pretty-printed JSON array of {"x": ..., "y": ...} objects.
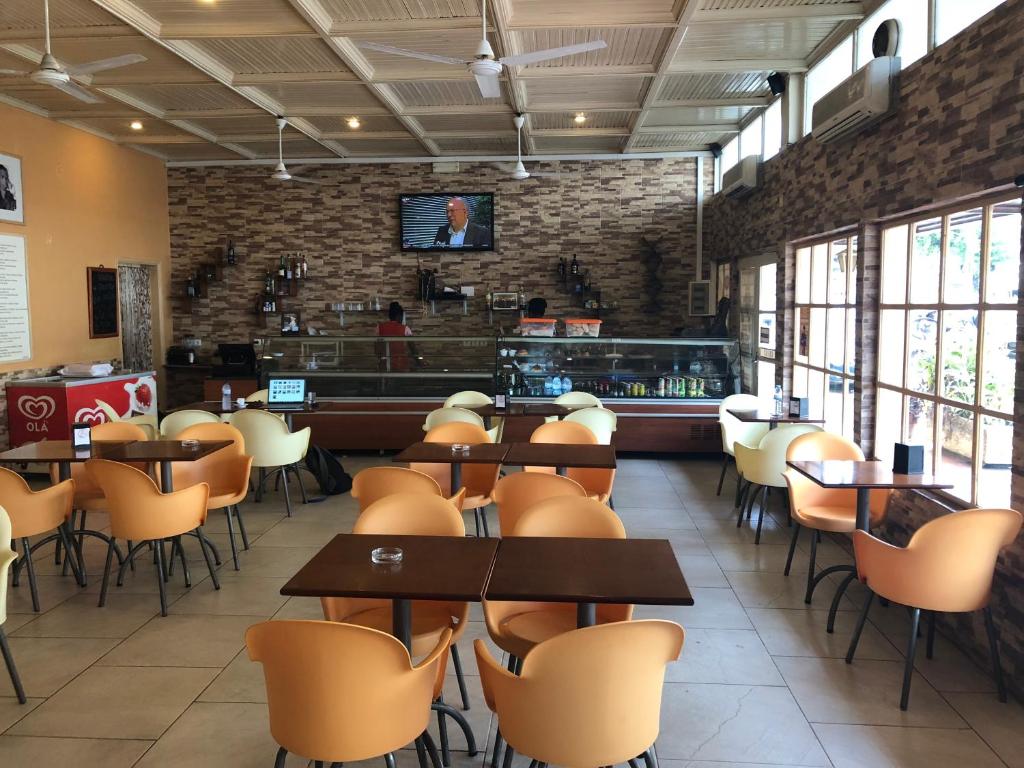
[
  {"x": 271, "y": 55},
  {"x": 563, "y": 121},
  {"x": 255, "y": 125},
  {"x": 457, "y": 43},
  {"x": 372, "y": 124},
  {"x": 676, "y": 141},
  {"x": 120, "y": 127},
  {"x": 585, "y": 91},
  {"x": 292, "y": 149},
  {"x": 294, "y": 96},
  {"x": 579, "y": 144},
  {"x": 440, "y": 93},
  {"x": 197, "y": 152},
  {"x": 192, "y": 18},
  {"x": 160, "y": 65},
  {"x": 64, "y": 14},
  {"x": 370, "y": 147},
  {"x": 482, "y": 146},
  {"x": 627, "y": 46},
  {"x": 52, "y": 100},
  {"x": 568, "y": 13},
  {"x": 197, "y": 98},
  {"x": 713, "y": 86},
  {"x": 668, "y": 117},
  {"x": 784, "y": 39},
  {"x": 399, "y": 10}
]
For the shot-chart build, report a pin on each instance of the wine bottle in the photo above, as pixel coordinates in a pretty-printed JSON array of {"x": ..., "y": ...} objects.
[
  {"x": 280, "y": 267},
  {"x": 231, "y": 257},
  {"x": 574, "y": 268},
  {"x": 561, "y": 267},
  {"x": 289, "y": 269},
  {"x": 305, "y": 266},
  {"x": 190, "y": 288}
]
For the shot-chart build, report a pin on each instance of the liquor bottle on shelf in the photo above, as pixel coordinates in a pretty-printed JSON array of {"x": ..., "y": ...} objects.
[
  {"x": 190, "y": 287},
  {"x": 280, "y": 267},
  {"x": 268, "y": 283},
  {"x": 561, "y": 267},
  {"x": 230, "y": 256},
  {"x": 574, "y": 267},
  {"x": 304, "y": 267},
  {"x": 289, "y": 269}
]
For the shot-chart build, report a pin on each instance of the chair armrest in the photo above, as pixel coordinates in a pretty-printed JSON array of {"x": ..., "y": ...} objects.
[{"x": 492, "y": 677}]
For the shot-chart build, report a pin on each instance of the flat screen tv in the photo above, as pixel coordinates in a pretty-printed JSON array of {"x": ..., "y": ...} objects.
[{"x": 447, "y": 221}]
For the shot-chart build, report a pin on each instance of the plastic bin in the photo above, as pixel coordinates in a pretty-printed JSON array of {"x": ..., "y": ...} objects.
[
  {"x": 537, "y": 326},
  {"x": 582, "y": 326}
]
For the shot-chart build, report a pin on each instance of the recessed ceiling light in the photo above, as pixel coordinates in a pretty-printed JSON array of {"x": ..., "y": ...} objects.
[
  {"x": 580, "y": 118},
  {"x": 353, "y": 122},
  {"x": 135, "y": 125}
]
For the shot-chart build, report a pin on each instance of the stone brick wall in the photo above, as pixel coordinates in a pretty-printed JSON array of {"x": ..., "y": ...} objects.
[
  {"x": 958, "y": 132},
  {"x": 349, "y": 228}
]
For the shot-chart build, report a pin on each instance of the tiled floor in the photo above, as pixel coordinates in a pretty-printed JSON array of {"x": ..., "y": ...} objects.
[{"x": 760, "y": 683}]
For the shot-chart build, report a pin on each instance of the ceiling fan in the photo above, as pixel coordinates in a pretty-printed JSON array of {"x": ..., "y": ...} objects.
[
  {"x": 50, "y": 72},
  {"x": 518, "y": 171},
  {"x": 281, "y": 173},
  {"x": 485, "y": 68}
]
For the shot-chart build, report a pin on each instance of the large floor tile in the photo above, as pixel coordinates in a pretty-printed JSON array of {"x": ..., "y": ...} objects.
[
  {"x": 734, "y": 656},
  {"x": 757, "y": 589},
  {"x": 650, "y": 492},
  {"x": 11, "y": 710},
  {"x": 788, "y": 632},
  {"x": 712, "y": 609},
  {"x": 273, "y": 561},
  {"x": 701, "y": 571},
  {"x": 720, "y": 528},
  {"x": 294, "y": 532},
  {"x": 47, "y": 664},
  {"x": 183, "y": 641},
  {"x": 755, "y": 557},
  {"x": 53, "y": 590},
  {"x": 863, "y": 693},
  {"x": 247, "y": 596},
  {"x": 240, "y": 681},
  {"x": 80, "y": 753},
  {"x": 117, "y": 703},
  {"x": 655, "y": 517},
  {"x": 858, "y": 746},
  {"x": 1000, "y": 725},
  {"x": 80, "y": 617},
  {"x": 737, "y": 723},
  {"x": 683, "y": 541},
  {"x": 302, "y": 608}
]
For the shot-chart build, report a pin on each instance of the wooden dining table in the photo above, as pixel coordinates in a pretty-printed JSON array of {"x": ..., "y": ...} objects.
[
  {"x": 561, "y": 456},
  {"x": 216, "y": 407},
  {"x": 518, "y": 408},
  {"x": 61, "y": 453},
  {"x": 769, "y": 417},
  {"x": 442, "y": 453}
]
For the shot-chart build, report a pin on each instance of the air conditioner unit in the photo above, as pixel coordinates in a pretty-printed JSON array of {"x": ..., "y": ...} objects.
[
  {"x": 858, "y": 101},
  {"x": 741, "y": 179}
]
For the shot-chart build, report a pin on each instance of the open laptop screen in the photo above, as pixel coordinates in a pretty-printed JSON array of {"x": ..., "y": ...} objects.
[{"x": 285, "y": 391}]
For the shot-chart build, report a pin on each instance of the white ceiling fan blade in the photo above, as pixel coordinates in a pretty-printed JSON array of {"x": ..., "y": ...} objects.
[
  {"x": 504, "y": 167},
  {"x": 522, "y": 59},
  {"x": 73, "y": 89},
  {"x": 14, "y": 72},
  {"x": 490, "y": 87},
  {"x": 410, "y": 54},
  {"x": 91, "y": 67},
  {"x": 542, "y": 173}
]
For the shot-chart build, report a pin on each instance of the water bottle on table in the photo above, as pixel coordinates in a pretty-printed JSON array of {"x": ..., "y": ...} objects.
[
  {"x": 778, "y": 400},
  {"x": 225, "y": 397}
]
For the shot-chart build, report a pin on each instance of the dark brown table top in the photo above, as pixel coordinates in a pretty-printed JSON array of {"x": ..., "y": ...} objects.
[
  {"x": 561, "y": 455},
  {"x": 765, "y": 416},
  {"x": 641, "y": 571},
  {"x": 513, "y": 409},
  {"x": 61, "y": 450},
  {"x": 165, "y": 450},
  {"x": 862, "y": 474},
  {"x": 432, "y": 568},
  {"x": 441, "y": 453},
  {"x": 214, "y": 406}
]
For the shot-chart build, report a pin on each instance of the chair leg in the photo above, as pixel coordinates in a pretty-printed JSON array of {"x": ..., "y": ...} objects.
[
  {"x": 459, "y": 676},
  {"x": 908, "y": 669},
  {"x": 483, "y": 519},
  {"x": 498, "y": 741},
  {"x": 721, "y": 478},
  {"x": 287, "y": 497},
  {"x": 509, "y": 754},
  {"x": 836, "y": 599},
  {"x": 31, "y": 568},
  {"x": 792, "y": 549},
  {"x": 106, "y": 572},
  {"x": 428, "y": 742},
  {"x": 231, "y": 536},
  {"x": 71, "y": 545},
  {"x": 747, "y": 490},
  {"x": 929, "y": 652},
  {"x": 760, "y": 514},
  {"x": 389, "y": 760},
  {"x": 12, "y": 670},
  {"x": 476, "y": 520},
  {"x": 241, "y": 527},
  {"x": 259, "y": 483},
  {"x": 810, "y": 569},
  {"x": 184, "y": 561},
  {"x": 993, "y": 645},
  {"x": 442, "y": 731},
  {"x": 421, "y": 753},
  {"x": 861, "y": 621},
  {"x": 282, "y": 756},
  {"x": 206, "y": 556},
  {"x": 648, "y": 757},
  {"x": 739, "y": 488},
  {"x": 160, "y": 576}
]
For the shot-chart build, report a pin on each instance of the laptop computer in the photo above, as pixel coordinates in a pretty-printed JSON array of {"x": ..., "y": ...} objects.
[{"x": 286, "y": 394}]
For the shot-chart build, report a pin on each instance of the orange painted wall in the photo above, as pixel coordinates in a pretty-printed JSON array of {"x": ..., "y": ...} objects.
[{"x": 88, "y": 202}]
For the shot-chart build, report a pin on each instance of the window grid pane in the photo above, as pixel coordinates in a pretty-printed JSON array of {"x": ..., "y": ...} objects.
[{"x": 772, "y": 130}]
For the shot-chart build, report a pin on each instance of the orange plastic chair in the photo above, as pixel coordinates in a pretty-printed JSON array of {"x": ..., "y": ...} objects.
[
  {"x": 374, "y": 483},
  {"x": 947, "y": 567},
  {"x": 477, "y": 479},
  {"x": 518, "y": 626},
  {"x": 833, "y": 510},
  {"x": 7, "y": 556},
  {"x": 35, "y": 513},
  {"x": 410, "y": 514},
  {"x": 589, "y": 697},
  {"x": 339, "y": 693},
  {"x": 519, "y": 491},
  {"x": 598, "y": 482},
  {"x": 140, "y": 513},
  {"x": 226, "y": 472}
]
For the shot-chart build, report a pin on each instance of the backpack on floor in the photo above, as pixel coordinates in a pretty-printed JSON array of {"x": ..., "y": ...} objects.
[{"x": 329, "y": 474}]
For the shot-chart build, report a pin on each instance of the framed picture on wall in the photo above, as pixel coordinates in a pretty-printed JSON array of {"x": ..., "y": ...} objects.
[{"x": 12, "y": 197}]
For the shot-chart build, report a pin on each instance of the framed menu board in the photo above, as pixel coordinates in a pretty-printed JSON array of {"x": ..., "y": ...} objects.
[
  {"x": 15, "y": 329},
  {"x": 103, "y": 304}
]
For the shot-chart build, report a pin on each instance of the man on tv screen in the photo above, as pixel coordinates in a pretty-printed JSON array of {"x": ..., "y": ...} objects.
[{"x": 460, "y": 232}]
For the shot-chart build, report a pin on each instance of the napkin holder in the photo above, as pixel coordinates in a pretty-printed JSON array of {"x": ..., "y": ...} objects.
[
  {"x": 908, "y": 459},
  {"x": 798, "y": 407}
]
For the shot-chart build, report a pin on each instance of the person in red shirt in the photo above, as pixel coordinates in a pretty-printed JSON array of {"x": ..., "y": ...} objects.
[{"x": 397, "y": 351}]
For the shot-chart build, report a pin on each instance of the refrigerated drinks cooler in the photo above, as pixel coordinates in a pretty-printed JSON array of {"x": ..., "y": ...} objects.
[{"x": 45, "y": 409}]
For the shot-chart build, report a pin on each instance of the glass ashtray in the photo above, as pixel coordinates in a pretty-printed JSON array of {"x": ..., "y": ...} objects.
[
  {"x": 191, "y": 444},
  {"x": 386, "y": 555},
  {"x": 460, "y": 448}
]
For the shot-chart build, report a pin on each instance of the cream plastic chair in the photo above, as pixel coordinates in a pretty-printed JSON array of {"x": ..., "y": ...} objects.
[
  {"x": 578, "y": 399},
  {"x": 600, "y": 421},
  {"x": 447, "y": 415},
  {"x": 174, "y": 423},
  {"x": 339, "y": 693},
  {"x": 272, "y": 446},
  {"x": 833, "y": 510},
  {"x": 148, "y": 423},
  {"x": 470, "y": 397},
  {"x": 7, "y": 556},
  {"x": 259, "y": 396},
  {"x": 736, "y": 431},
  {"x": 589, "y": 697},
  {"x": 947, "y": 567},
  {"x": 763, "y": 467}
]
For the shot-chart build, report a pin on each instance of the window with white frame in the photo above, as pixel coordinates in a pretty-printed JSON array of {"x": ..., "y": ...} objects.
[
  {"x": 835, "y": 67},
  {"x": 912, "y": 16},
  {"x": 824, "y": 330},
  {"x": 772, "y": 130},
  {"x": 751, "y": 139},
  {"x": 951, "y": 16},
  {"x": 723, "y": 280},
  {"x": 730, "y": 154},
  {"x": 947, "y": 345},
  {"x": 757, "y": 326}
]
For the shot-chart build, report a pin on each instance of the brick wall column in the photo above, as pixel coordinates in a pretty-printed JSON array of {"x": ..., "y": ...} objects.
[{"x": 869, "y": 262}]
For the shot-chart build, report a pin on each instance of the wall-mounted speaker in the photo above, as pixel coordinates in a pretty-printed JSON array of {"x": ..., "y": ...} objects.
[
  {"x": 777, "y": 82},
  {"x": 716, "y": 149}
]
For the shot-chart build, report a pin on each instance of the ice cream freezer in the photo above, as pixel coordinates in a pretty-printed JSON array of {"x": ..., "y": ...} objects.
[{"x": 45, "y": 409}]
